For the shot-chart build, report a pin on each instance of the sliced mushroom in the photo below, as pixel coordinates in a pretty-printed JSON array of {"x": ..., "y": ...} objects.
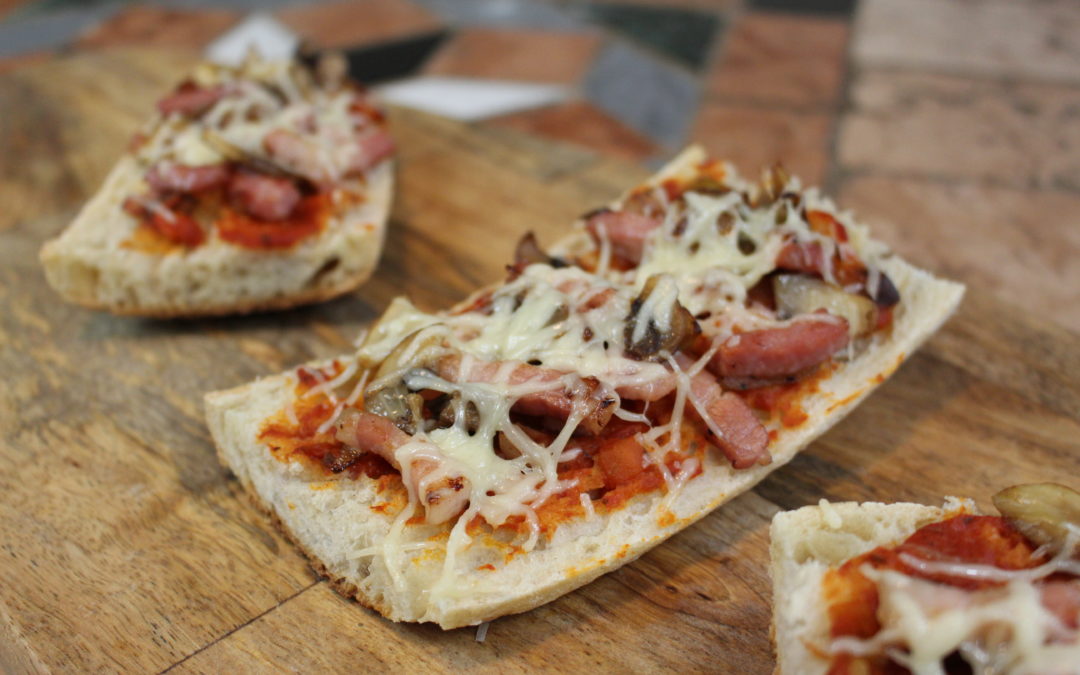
[
  {"x": 657, "y": 321},
  {"x": 455, "y": 411},
  {"x": 708, "y": 185},
  {"x": 388, "y": 395},
  {"x": 801, "y": 294},
  {"x": 396, "y": 403},
  {"x": 886, "y": 294},
  {"x": 771, "y": 187},
  {"x": 528, "y": 252},
  {"x": 1043, "y": 512}
]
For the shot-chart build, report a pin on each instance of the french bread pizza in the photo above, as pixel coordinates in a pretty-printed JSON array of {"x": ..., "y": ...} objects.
[
  {"x": 905, "y": 588},
  {"x": 255, "y": 187},
  {"x": 673, "y": 350}
]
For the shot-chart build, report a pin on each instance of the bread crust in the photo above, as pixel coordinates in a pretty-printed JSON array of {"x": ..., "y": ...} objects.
[
  {"x": 88, "y": 266},
  {"x": 332, "y": 523}
]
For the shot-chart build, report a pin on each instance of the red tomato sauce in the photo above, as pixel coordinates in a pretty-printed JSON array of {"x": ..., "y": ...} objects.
[
  {"x": 966, "y": 539},
  {"x": 308, "y": 218},
  {"x": 288, "y": 441}
]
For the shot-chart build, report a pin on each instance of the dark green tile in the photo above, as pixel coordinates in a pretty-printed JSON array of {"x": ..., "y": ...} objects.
[
  {"x": 682, "y": 34},
  {"x": 828, "y": 7},
  {"x": 377, "y": 63}
]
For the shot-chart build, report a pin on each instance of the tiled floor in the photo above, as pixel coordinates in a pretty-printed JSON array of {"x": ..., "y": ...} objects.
[{"x": 954, "y": 127}]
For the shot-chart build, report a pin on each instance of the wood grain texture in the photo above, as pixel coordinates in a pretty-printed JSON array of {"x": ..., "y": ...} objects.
[{"x": 125, "y": 546}]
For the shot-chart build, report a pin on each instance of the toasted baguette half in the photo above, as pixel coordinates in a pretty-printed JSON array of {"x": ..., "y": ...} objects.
[
  {"x": 266, "y": 132},
  {"x": 343, "y": 525},
  {"x": 89, "y": 266}
]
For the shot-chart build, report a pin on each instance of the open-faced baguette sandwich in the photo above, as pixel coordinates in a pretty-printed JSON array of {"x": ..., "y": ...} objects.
[
  {"x": 674, "y": 350},
  {"x": 262, "y": 186},
  {"x": 906, "y": 588}
]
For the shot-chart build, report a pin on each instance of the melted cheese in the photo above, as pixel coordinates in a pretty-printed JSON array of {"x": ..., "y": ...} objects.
[
  {"x": 554, "y": 319},
  {"x": 996, "y": 630},
  {"x": 263, "y": 96}
]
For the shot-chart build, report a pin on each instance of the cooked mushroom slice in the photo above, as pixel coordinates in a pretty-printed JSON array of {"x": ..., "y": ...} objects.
[
  {"x": 657, "y": 322},
  {"x": 801, "y": 294},
  {"x": 773, "y": 182},
  {"x": 886, "y": 293},
  {"x": 454, "y": 411},
  {"x": 388, "y": 394},
  {"x": 528, "y": 252},
  {"x": 1044, "y": 512},
  {"x": 396, "y": 403}
]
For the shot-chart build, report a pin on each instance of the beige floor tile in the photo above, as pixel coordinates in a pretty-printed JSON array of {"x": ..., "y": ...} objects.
[
  {"x": 585, "y": 125},
  {"x": 782, "y": 58},
  {"x": 1022, "y": 135},
  {"x": 1017, "y": 38},
  {"x": 350, "y": 23},
  {"x": 514, "y": 54},
  {"x": 1021, "y": 245},
  {"x": 754, "y": 138}
]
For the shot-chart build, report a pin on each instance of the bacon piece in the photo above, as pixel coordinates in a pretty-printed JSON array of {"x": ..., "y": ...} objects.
[
  {"x": 263, "y": 197},
  {"x": 371, "y": 148},
  {"x": 807, "y": 257},
  {"x": 743, "y": 439},
  {"x": 625, "y": 230},
  {"x": 780, "y": 352},
  {"x": 1062, "y": 599},
  {"x": 295, "y": 154},
  {"x": 557, "y": 401},
  {"x": 621, "y": 461},
  {"x": 597, "y": 300},
  {"x": 173, "y": 177},
  {"x": 443, "y": 494},
  {"x": 191, "y": 100}
]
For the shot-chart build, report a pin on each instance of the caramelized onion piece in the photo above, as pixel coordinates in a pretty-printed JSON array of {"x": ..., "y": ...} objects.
[
  {"x": 681, "y": 327},
  {"x": 1041, "y": 511}
]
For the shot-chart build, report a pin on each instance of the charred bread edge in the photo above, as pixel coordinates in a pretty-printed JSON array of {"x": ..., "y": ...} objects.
[{"x": 234, "y": 418}]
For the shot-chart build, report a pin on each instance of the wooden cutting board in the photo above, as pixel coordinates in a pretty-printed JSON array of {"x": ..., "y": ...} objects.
[{"x": 125, "y": 546}]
